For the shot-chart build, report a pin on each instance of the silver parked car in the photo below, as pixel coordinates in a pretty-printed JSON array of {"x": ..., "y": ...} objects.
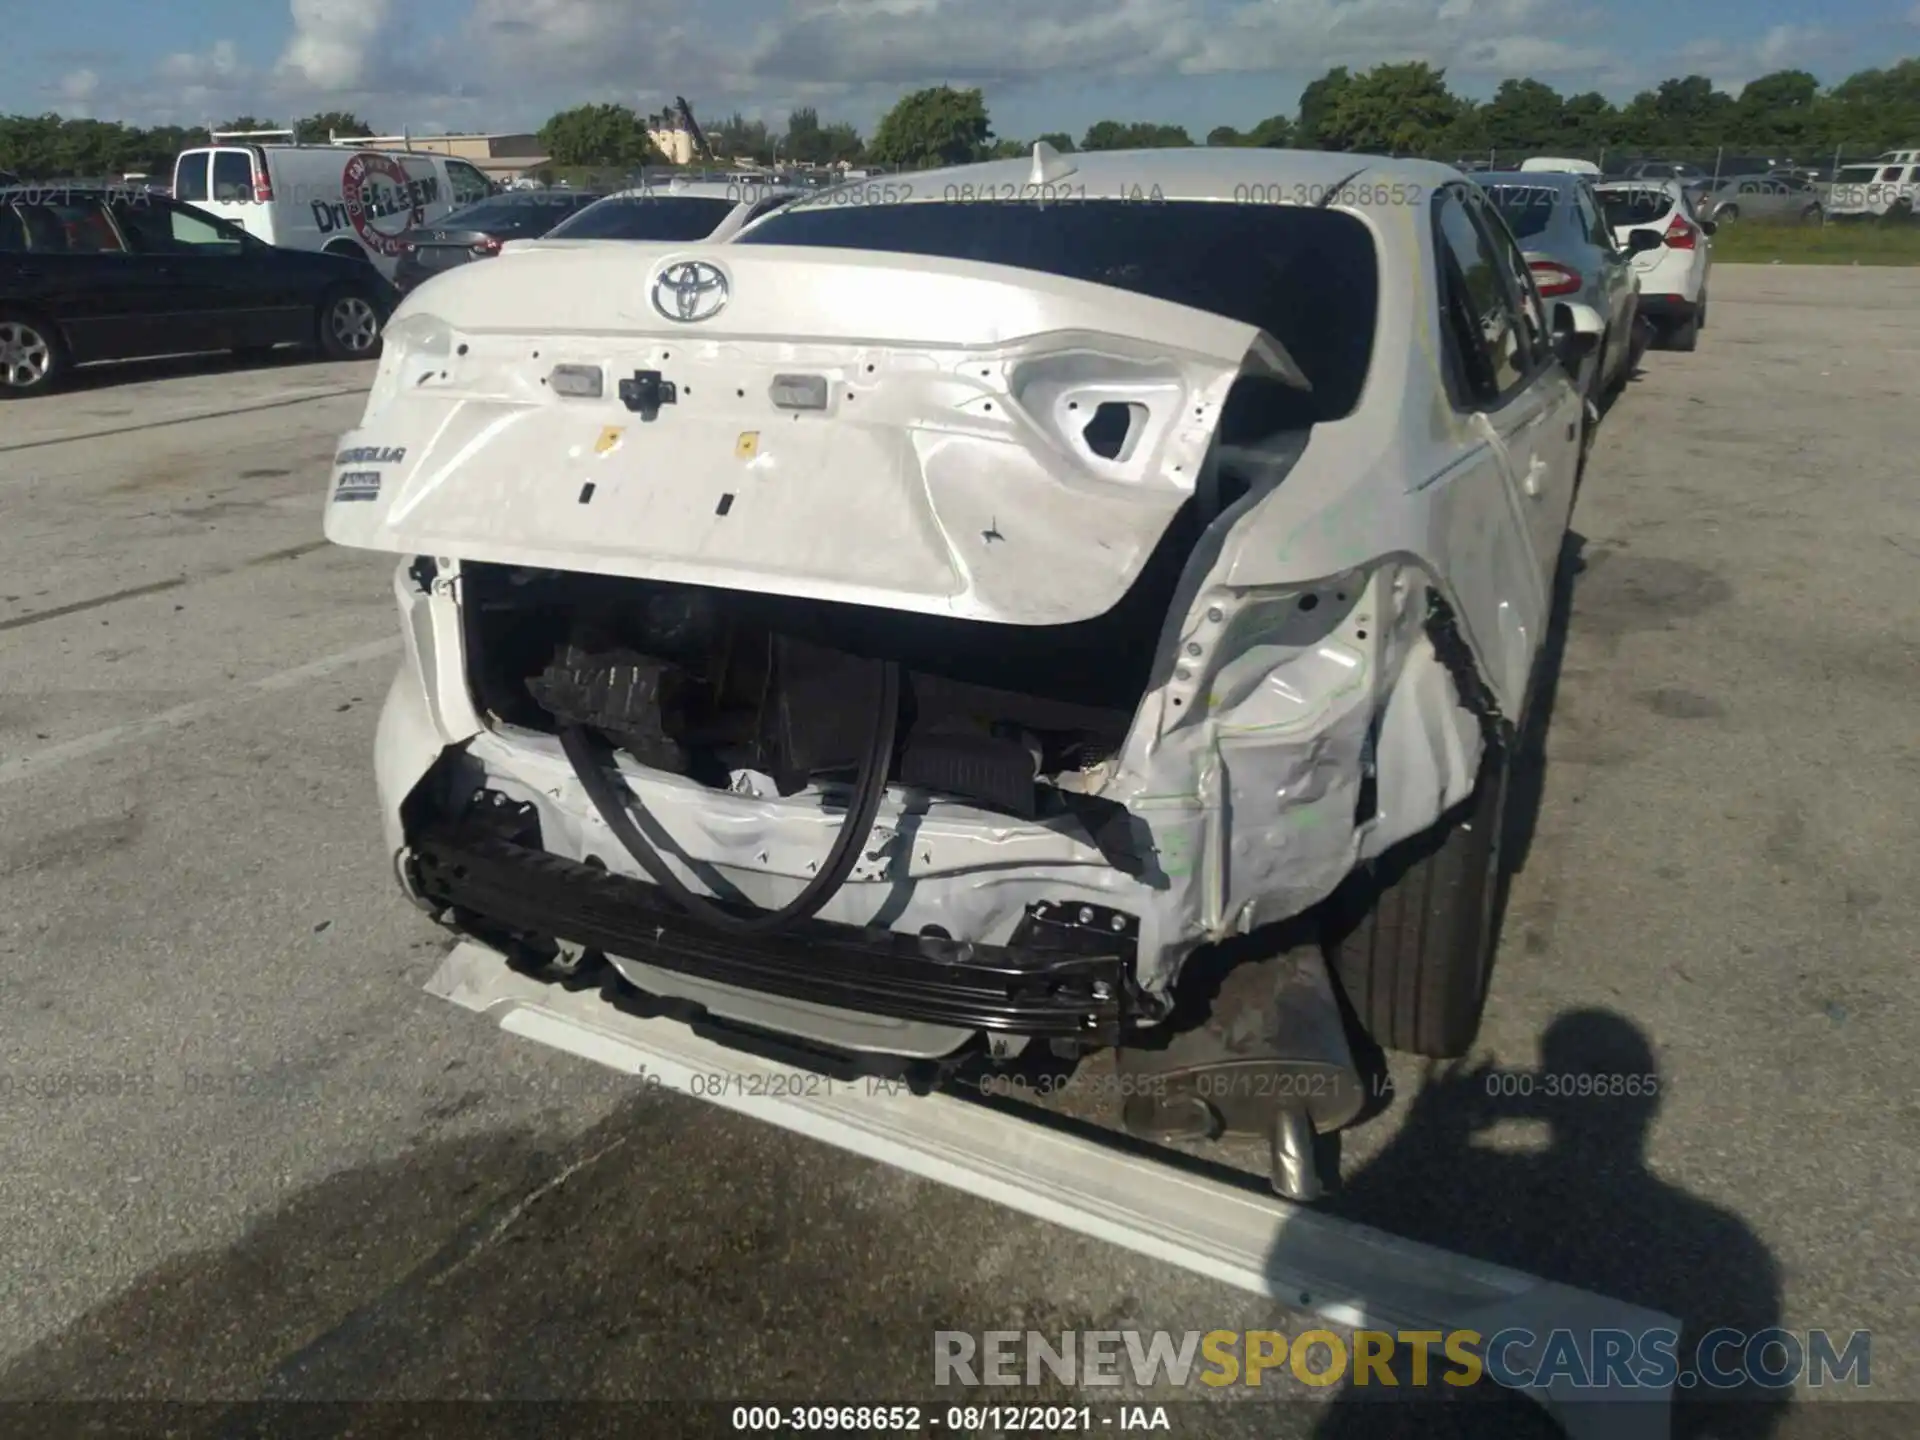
[
  {"x": 1761, "y": 197},
  {"x": 1571, "y": 251}
]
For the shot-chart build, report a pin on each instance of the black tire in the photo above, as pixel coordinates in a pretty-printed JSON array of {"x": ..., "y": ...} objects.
[
  {"x": 1726, "y": 214},
  {"x": 1812, "y": 215},
  {"x": 342, "y": 324},
  {"x": 1682, "y": 335},
  {"x": 1412, "y": 941},
  {"x": 33, "y": 360}
]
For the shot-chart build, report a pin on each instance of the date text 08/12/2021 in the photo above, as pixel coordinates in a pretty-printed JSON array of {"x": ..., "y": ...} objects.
[
  {"x": 1071, "y": 192},
  {"x": 1010, "y": 1085},
  {"x": 951, "y": 1419}
]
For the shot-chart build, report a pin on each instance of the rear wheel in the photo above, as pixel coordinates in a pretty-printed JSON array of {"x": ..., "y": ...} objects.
[
  {"x": 1417, "y": 947},
  {"x": 32, "y": 361},
  {"x": 349, "y": 325},
  {"x": 1726, "y": 215},
  {"x": 1682, "y": 334},
  {"x": 1812, "y": 215}
]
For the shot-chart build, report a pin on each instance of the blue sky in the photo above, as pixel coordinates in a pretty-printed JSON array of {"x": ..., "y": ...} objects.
[{"x": 507, "y": 64}]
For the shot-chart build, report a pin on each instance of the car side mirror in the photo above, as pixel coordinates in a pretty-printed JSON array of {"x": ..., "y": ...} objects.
[
  {"x": 1576, "y": 331},
  {"x": 1641, "y": 241}
]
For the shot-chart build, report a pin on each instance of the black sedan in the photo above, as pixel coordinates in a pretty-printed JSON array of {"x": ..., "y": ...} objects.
[
  {"x": 116, "y": 273},
  {"x": 478, "y": 232}
]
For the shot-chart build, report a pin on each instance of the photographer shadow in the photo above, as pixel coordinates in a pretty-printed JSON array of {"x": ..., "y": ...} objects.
[{"x": 1582, "y": 1210}]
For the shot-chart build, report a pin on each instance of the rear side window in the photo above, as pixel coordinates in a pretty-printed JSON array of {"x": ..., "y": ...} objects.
[
  {"x": 190, "y": 176},
  {"x": 232, "y": 176},
  {"x": 79, "y": 227},
  {"x": 646, "y": 217},
  {"x": 1478, "y": 310},
  {"x": 1592, "y": 224},
  {"x": 1636, "y": 205},
  {"x": 1309, "y": 278},
  {"x": 1527, "y": 209},
  {"x": 13, "y": 231}
]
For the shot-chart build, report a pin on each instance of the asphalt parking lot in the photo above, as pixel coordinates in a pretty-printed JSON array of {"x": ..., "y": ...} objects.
[{"x": 243, "y": 1156}]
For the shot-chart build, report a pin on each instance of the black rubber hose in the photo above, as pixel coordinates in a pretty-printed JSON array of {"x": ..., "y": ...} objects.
[{"x": 599, "y": 779}]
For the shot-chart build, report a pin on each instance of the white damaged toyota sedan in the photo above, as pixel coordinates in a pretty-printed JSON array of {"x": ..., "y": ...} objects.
[{"x": 969, "y": 611}]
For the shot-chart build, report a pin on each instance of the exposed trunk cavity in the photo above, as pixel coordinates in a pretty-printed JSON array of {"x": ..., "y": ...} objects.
[{"x": 709, "y": 683}]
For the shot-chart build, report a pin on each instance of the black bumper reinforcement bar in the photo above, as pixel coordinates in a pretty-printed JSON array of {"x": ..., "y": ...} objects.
[{"x": 1066, "y": 973}]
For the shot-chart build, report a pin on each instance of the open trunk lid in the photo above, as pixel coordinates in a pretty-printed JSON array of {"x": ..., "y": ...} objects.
[{"x": 940, "y": 436}]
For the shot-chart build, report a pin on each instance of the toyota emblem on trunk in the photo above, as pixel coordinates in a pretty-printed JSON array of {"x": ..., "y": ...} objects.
[{"x": 690, "y": 290}]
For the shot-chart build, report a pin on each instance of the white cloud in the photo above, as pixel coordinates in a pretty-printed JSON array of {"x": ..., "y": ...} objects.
[
  {"x": 511, "y": 62},
  {"x": 1732, "y": 65},
  {"x": 333, "y": 43}
]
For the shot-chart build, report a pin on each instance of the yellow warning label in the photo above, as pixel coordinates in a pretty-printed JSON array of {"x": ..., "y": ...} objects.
[
  {"x": 747, "y": 446},
  {"x": 609, "y": 440}
]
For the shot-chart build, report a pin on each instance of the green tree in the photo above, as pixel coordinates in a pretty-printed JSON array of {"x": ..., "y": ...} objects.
[
  {"x": 1316, "y": 101},
  {"x": 842, "y": 142},
  {"x": 1225, "y": 135},
  {"x": 1004, "y": 149},
  {"x": 247, "y": 122},
  {"x": 1113, "y": 135},
  {"x": 1273, "y": 133},
  {"x": 1587, "y": 123},
  {"x": 936, "y": 126},
  {"x": 1523, "y": 115},
  {"x": 1059, "y": 140},
  {"x": 1775, "y": 112},
  {"x": 737, "y": 137},
  {"x": 315, "y": 129},
  {"x": 1399, "y": 109},
  {"x": 597, "y": 135},
  {"x": 805, "y": 141}
]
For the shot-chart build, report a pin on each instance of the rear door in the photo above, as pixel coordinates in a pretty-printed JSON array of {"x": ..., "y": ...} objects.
[
  {"x": 229, "y": 292},
  {"x": 1490, "y": 367},
  {"x": 1553, "y": 448},
  {"x": 231, "y": 188},
  {"x": 1617, "y": 286},
  {"x": 106, "y": 301}
]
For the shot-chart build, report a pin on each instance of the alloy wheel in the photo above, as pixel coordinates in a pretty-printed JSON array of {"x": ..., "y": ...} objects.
[
  {"x": 354, "y": 324},
  {"x": 25, "y": 355}
]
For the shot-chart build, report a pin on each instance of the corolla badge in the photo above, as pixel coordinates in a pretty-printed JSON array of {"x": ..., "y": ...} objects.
[{"x": 690, "y": 290}]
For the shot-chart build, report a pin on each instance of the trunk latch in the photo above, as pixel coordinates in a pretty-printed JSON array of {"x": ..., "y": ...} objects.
[{"x": 646, "y": 392}]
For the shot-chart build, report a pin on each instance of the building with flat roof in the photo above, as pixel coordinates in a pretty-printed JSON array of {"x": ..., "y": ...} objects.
[{"x": 499, "y": 157}]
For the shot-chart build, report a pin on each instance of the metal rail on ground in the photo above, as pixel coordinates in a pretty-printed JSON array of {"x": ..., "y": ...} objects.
[{"x": 1302, "y": 1258}]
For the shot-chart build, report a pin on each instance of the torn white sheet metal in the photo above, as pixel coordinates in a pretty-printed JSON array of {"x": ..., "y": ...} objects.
[
  {"x": 949, "y": 475},
  {"x": 1245, "y": 789},
  {"x": 1301, "y": 1258},
  {"x": 948, "y": 450}
]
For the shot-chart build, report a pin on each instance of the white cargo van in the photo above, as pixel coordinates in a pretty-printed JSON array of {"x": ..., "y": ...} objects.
[{"x": 335, "y": 198}]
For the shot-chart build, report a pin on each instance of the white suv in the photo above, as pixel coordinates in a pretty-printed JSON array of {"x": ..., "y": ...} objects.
[
  {"x": 1887, "y": 186},
  {"x": 1655, "y": 223}
]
